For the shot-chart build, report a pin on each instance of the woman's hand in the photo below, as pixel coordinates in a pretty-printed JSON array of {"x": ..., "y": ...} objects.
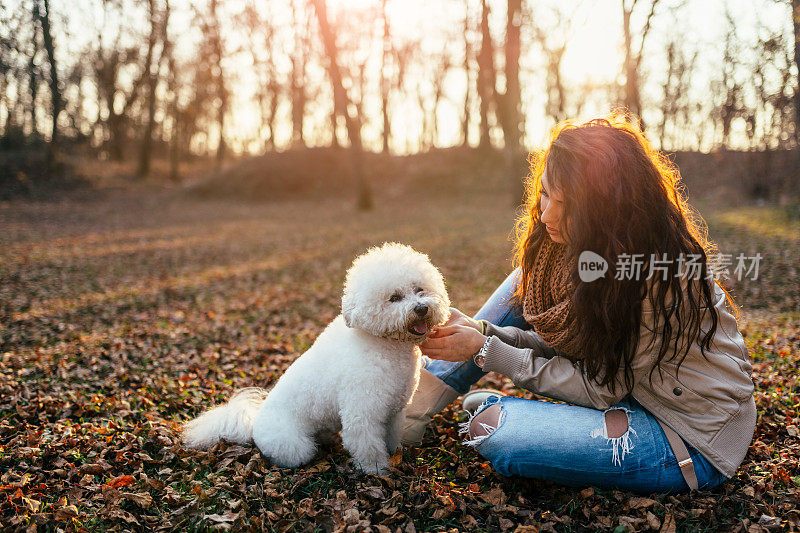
[
  {"x": 456, "y": 342},
  {"x": 459, "y": 318}
]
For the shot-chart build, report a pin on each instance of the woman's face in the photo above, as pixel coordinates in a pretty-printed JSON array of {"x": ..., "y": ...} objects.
[{"x": 552, "y": 205}]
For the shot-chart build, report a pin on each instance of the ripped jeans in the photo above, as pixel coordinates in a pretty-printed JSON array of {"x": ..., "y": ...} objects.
[{"x": 570, "y": 444}]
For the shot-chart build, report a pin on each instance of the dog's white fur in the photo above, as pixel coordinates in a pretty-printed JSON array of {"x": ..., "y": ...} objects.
[{"x": 357, "y": 377}]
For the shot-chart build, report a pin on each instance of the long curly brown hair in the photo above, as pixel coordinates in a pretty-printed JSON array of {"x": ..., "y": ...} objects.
[{"x": 621, "y": 196}]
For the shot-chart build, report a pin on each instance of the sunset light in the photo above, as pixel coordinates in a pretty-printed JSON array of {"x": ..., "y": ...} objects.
[{"x": 400, "y": 265}]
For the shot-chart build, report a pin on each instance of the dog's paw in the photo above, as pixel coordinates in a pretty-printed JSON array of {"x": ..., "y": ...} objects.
[
  {"x": 373, "y": 468},
  {"x": 397, "y": 457}
]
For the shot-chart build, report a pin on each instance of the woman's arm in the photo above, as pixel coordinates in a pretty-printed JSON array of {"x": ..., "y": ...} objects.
[
  {"x": 509, "y": 334},
  {"x": 555, "y": 376},
  {"x": 521, "y": 338},
  {"x": 529, "y": 362}
]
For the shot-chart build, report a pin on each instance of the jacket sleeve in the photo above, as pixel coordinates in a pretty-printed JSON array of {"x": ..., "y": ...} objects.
[{"x": 530, "y": 363}]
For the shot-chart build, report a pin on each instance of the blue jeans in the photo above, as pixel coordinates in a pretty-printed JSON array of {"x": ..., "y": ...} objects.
[{"x": 568, "y": 443}]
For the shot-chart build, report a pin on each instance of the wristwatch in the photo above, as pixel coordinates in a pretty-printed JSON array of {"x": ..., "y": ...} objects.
[{"x": 480, "y": 357}]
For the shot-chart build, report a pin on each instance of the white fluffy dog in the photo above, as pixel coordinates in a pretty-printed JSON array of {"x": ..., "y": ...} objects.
[{"x": 357, "y": 377}]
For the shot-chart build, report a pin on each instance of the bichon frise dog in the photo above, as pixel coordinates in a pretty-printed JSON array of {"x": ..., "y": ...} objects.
[{"x": 357, "y": 377}]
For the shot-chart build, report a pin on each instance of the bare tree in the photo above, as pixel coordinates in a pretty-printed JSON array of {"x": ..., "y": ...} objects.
[
  {"x": 467, "y": 116},
  {"x": 675, "y": 103},
  {"x": 633, "y": 53},
  {"x": 342, "y": 102},
  {"x": 796, "y": 28},
  {"x": 442, "y": 69},
  {"x": 56, "y": 100},
  {"x": 114, "y": 98},
  {"x": 556, "y": 106},
  {"x": 773, "y": 82},
  {"x": 158, "y": 31},
  {"x": 729, "y": 87},
  {"x": 34, "y": 71},
  {"x": 261, "y": 35},
  {"x": 19, "y": 29},
  {"x": 385, "y": 86},
  {"x": 299, "y": 58},
  {"x": 486, "y": 76},
  {"x": 212, "y": 29},
  {"x": 403, "y": 53},
  {"x": 553, "y": 41},
  {"x": 509, "y": 102},
  {"x": 174, "y": 112},
  {"x": 74, "y": 107},
  {"x": 426, "y": 124}
]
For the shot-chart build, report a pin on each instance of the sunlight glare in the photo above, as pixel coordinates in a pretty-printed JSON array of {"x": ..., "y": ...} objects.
[{"x": 594, "y": 51}]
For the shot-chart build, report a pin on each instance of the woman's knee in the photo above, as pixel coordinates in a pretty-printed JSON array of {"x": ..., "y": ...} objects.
[{"x": 485, "y": 422}]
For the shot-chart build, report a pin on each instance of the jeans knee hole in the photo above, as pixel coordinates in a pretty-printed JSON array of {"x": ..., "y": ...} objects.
[
  {"x": 617, "y": 431},
  {"x": 480, "y": 428},
  {"x": 616, "y": 422}
]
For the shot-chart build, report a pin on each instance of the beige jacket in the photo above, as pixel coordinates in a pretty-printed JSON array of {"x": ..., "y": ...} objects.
[{"x": 711, "y": 406}]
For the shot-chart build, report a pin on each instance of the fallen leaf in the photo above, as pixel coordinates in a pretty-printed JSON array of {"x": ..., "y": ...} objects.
[
  {"x": 506, "y": 524},
  {"x": 496, "y": 497},
  {"x": 122, "y": 515},
  {"x": 121, "y": 481},
  {"x": 65, "y": 513},
  {"x": 668, "y": 526},
  {"x": 227, "y": 518},
  {"x": 31, "y": 504},
  {"x": 640, "y": 503},
  {"x": 770, "y": 522},
  {"x": 653, "y": 521},
  {"x": 142, "y": 499}
]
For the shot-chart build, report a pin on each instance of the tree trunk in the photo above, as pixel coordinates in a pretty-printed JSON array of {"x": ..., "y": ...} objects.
[
  {"x": 33, "y": 80},
  {"x": 730, "y": 108},
  {"x": 511, "y": 102},
  {"x": 152, "y": 79},
  {"x": 467, "y": 93},
  {"x": 297, "y": 79},
  {"x": 669, "y": 104},
  {"x": 633, "y": 58},
  {"x": 342, "y": 102},
  {"x": 222, "y": 93},
  {"x": 172, "y": 109},
  {"x": 174, "y": 141},
  {"x": 796, "y": 23},
  {"x": 512, "y": 105},
  {"x": 334, "y": 126},
  {"x": 273, "y": 111},
  {"x": 387, "y": 48},
  {"x": 55, "y": 90},
  {"x": 631, "y": 99},
  {"x": 486, "y": 76}
]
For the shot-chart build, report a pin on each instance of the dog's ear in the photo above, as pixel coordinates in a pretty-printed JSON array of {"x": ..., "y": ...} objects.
[{"x": 349, "y": 309}]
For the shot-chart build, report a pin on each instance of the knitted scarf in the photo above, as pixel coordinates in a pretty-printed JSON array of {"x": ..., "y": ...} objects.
[{"x": 547, "y": 305}]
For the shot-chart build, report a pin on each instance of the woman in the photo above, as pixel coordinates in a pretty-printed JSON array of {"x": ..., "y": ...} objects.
[{"x": 650, "y": 360}]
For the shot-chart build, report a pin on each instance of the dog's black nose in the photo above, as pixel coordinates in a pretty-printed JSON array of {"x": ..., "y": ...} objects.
[{"x": 421, "y": 310}]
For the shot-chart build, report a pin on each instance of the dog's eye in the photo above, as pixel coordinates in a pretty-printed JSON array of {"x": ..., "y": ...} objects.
[
  {"x": 417, "y": 290},
  {"x": 396, "y": 297}
]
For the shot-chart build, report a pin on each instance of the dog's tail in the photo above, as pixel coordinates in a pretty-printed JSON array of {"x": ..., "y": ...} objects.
[{"x": 231, "y": 421}]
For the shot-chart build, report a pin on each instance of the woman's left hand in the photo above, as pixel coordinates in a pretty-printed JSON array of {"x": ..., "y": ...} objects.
[{"x": 453, "y": 343}]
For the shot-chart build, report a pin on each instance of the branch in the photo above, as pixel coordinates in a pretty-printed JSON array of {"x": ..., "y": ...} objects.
[{"x": 645, "y": 30}]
